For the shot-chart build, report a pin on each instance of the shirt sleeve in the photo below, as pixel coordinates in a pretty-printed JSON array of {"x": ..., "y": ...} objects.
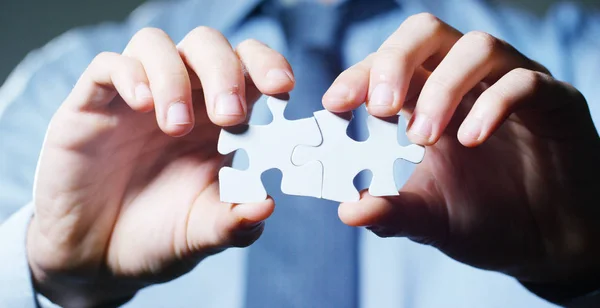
[
  {"x": 28, "y": 99},
  {"x": 16, "y": 288},
  {"x": 40, "y": 83},
  {"x": 16, "y": 285}
]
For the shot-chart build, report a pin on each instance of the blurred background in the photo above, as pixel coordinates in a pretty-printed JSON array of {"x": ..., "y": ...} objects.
[{"x": 29, "y": 24}]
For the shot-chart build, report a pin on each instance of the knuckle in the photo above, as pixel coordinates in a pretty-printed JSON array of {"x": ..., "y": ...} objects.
[
  {"x": 149, "y": 32},
  {"x": 176, "y": 83},
  {"x": 393, "y": 54},
  {"x": 423, "y": 19},
  {"x": 249, "y": 43},
  {"x": 367, "y": 61},
  {"x": 440, "y": 85},
  {"x": 370, "y": 57},
  {"x": 431, "y": 23},
  {"x": 360, "y": 68},
  {"x": 203, "y": 32},
  {"x": 539, "y": 67},
  {"x": 483, "y": 41},
  {"x": 256, "y": 54},
  {"x": 495, "y": 96},
  {"x": 393, "y": 59},
  {"x": 530, "y": 78},
  {"x": 104, "y": 57}
]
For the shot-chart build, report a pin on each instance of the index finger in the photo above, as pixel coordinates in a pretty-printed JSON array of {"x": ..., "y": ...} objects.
[{"x": 168, "y": 78}]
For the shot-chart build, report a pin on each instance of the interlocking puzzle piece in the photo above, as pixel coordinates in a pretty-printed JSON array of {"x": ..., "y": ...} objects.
[
  {"x": 270, "y": 146},
  {"x": 343, "y": 158}
]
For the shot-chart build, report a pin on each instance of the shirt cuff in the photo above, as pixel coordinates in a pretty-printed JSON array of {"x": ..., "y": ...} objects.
[
  {"x": 16, "y": 287},
  {"x": 43, "y": 302}
]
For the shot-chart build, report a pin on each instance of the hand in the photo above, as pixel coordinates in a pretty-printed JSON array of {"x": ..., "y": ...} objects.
[
  {"x": 510, "y": 177},
  {"x": 120, "y": 202}
]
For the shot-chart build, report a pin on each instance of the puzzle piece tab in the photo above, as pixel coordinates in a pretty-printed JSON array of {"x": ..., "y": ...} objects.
[
  {"x": 343, "y": 158},
  {"x": 270, "y": 146}
]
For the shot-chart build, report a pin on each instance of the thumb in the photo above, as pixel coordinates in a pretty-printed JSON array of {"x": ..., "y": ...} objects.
[
  {"x": 214, "y": 226},
  {"x": 415, "y": 213}
]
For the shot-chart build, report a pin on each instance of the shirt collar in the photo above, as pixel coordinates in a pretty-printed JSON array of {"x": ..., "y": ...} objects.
[{"x": 227, "y": 14}]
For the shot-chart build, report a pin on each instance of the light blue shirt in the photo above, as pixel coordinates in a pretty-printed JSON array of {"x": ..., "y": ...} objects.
[{"x": 393, "y": 272}]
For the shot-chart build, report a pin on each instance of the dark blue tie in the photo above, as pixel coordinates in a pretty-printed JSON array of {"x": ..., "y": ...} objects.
[{"x": 306, "y": 256}]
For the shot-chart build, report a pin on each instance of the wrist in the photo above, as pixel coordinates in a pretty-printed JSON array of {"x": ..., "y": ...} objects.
[
  {"x": 72, "y": 291},
  {"x": 70, "y": 287}
]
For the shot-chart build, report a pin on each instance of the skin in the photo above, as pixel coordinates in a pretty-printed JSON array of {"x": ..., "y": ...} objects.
[{"x": 126, "y": 197}]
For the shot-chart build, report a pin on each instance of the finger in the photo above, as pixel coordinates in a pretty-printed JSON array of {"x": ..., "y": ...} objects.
[
  {"x": 414, "y": 90},
  {"x": 519, "y": 90},
  {"x": 169, "y": 80},
  {"x": 210, "y": 55},
  {"x": 349, "y": 89},
  {"x": 476, "y": 57},
  {"x": 214, "y": 226},
  {"x": 421, "y": 39},
  {"x": 268, "y": 69},
  {"x": 110, "y": 74},
  {"x": 414, "y": 214}
]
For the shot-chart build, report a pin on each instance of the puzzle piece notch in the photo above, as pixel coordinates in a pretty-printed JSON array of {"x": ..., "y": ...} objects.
[
  {"x": 267, "y": 147},
  {"x": 343, "y": 158}
]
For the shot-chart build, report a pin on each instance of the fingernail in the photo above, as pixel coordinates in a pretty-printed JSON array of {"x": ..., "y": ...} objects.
[
  {"x": 228, "y": 104},
  {"x": 338, "y": 93},
  {"x": 279, "y": 76},
  {"x": 471, "y": 128},
  {"x": 421, "y": 127},
  {"x": 142, "y": 92},
  {"x": 382, "y": 96},
  {"x": 178, "y": 114}
]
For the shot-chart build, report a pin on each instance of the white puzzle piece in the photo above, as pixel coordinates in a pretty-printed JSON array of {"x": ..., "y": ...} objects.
[
  {"x": 343, "y": 158},
  {"x": 270, "y": 146}
]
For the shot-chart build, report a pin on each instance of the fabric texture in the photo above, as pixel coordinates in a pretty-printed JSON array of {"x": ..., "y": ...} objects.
[
  {"x": 306, "y": 257},
  {"x": 15, "y": 277},
  {"x": 392, "y": 272}
]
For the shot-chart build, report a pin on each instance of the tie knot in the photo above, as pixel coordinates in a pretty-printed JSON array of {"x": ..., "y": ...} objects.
[{"x": 318, "y": 25}]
